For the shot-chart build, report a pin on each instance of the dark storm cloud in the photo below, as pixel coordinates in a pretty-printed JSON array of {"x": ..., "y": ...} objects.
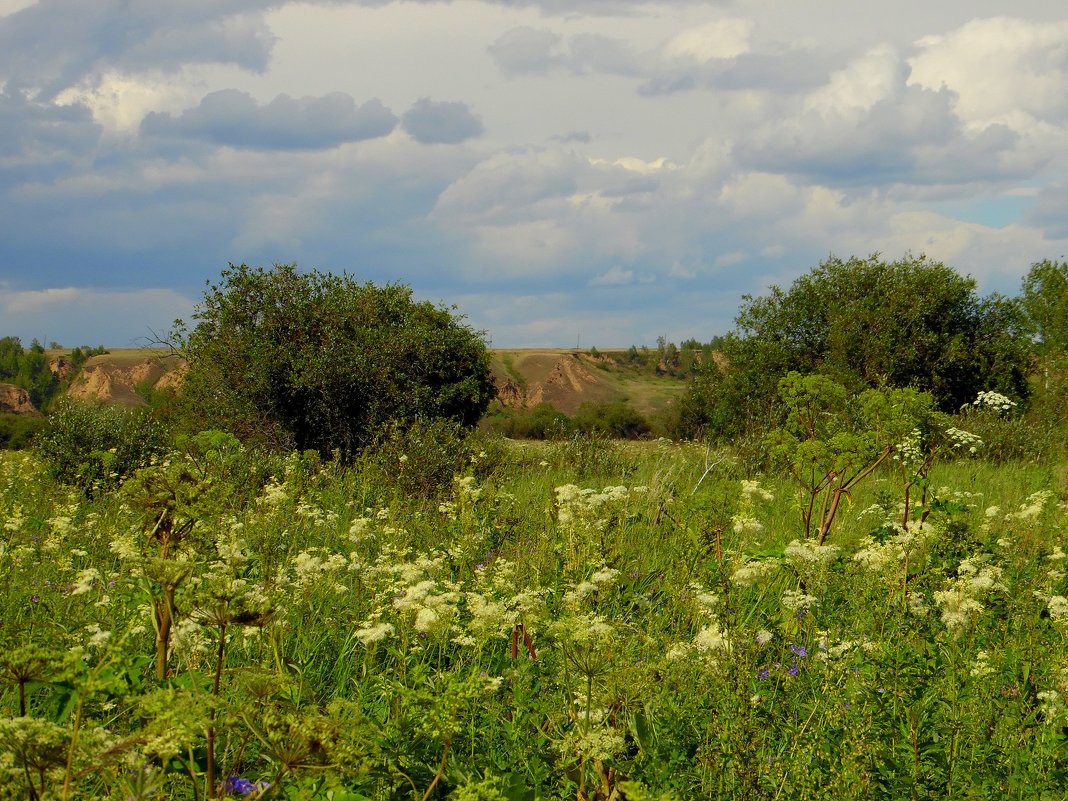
[
  {"x": 231, "y": 117},
  {"x": 33, "y": 132},
  {"x": 432, "y": 122}
]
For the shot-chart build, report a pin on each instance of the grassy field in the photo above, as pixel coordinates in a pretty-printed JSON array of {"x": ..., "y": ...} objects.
[{"x": 580, "y": 619}]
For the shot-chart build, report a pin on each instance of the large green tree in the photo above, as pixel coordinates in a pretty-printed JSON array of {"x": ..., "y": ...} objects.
[
  {"x": 1045, "y": 301},
  {"x": 864, "y": 323},
  {"x": 318, "y": 361}
]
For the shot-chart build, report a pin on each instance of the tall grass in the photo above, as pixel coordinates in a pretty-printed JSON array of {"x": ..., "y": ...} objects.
[{"x": 581, "y": 619}]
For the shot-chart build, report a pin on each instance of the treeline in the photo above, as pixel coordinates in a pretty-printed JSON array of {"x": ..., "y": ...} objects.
[
  {"x": 679, "y": 361},
  {"x": 872, "y": 324}
]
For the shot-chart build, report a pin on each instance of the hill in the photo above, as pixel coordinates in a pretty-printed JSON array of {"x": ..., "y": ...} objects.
[{"x": 563, "y": 378}]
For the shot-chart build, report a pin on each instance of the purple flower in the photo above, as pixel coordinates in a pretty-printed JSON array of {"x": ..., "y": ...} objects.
[
  {"x": 793, "y": 670},
  {"x": 763, "y": 674},
  {"x": 881, "y": 690},
  {"x": 34, "y": 599},
  {"x": 799, "y": 650},
  {"x": 237, "y": 785}
]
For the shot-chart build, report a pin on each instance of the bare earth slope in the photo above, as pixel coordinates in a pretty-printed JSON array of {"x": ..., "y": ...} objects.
[
  {"x": 525, "y": 377},
  {"x": 566, "y": 379}
]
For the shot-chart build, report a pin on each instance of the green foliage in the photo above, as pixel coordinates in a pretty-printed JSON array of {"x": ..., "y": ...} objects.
[
  {"x": 616, "y": 419},
  {"x": 865, "y": 323},
  {"x": 17, "y": 431},
  {"x": 1045, "y": 303},
  {"x": 95, "y": 446},
  {"x": 419, "y": 459},
  {"x": 318, "y": 361},
  {"x": 29, "y": 369}
]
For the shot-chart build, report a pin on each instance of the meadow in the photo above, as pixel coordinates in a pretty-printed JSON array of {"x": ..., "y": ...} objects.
[{"x": 582, "y": 619}]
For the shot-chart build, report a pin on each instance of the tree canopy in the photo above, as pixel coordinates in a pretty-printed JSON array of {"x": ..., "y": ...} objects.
[
  {"x": 864, "y": 323},
  {"x": 318, "y": 361},
  {"x": 1045, "y": 302}
]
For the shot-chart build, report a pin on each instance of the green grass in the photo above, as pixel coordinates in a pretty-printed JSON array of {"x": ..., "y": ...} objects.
[{"x": 569, "y": 620}]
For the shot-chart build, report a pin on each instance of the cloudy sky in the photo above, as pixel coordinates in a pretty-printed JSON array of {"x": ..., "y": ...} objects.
[{"x": 594, "y": 171}]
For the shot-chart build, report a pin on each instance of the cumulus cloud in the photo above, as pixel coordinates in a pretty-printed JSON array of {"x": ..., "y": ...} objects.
[
  {"x": 231, "y": 117},
  {"x": 440, "y": 122},
  {"x": 999, "y": 68},
  {"x": 713, "y": 56},
  {"x": 868, "y": 126},
  {"x": 55, "y": 44}
]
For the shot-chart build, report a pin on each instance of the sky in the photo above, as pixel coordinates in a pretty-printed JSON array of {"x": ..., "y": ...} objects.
[{"x": 564, "y": 172}]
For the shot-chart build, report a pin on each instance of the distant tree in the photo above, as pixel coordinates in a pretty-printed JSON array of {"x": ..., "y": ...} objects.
[
  {"x": 319, "y": 361},
  {"x": 1045, "y": 302},
  {"x": 863, "y": 323}
]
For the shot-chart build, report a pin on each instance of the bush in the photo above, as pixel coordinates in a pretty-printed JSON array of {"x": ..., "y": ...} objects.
[
  {"x": 321, "y": 362},
  {"x": 420, "y": 459},
  {"x": 95, "y": 446},
  {"x": 617, "y": 419},
  {"x": 864, "y": 323},
  {"x": 17, "y": 431}
]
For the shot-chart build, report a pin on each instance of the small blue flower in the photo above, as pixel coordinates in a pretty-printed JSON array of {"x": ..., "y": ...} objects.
[
  {"x": 238, "y": 785},
  {"x": 763, "y": 674},
  {"x": 793, "y": 670},
  {"x": 799, "y": 650}
]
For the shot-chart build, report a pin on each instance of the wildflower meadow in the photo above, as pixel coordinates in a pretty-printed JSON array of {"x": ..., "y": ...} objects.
[{"x": 580, "y": 619}]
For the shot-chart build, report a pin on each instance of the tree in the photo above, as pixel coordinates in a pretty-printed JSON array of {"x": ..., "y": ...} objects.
[
  {"x": 319, "y": 361},
  {"x": 864, "y": 323},
  {"x": 1045, "y": 302}
]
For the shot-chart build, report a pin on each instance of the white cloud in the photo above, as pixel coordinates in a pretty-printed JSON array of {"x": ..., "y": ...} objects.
[
  {"x": 614, "y": 276},
  {"x": 999, "y": 69},
  {"x": 722, "y": 38}
]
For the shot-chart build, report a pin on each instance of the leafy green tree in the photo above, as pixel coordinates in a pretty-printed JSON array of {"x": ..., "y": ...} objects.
[
  {"x": 1045, "y": 302},
  {"x": 319, "y": 361},
  {"x": 865, "y": 323}
]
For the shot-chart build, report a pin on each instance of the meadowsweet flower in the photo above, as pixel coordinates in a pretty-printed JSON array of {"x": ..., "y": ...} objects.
[
  {"x": 84, "y": 582},
  {"x": 797, "y": 601},
  {"x": 753, "y": 571},
  {"x": 1058, "y": 609},
  {"x": 746, "y": 524},
  {"x": 910, "y": 450},
  {"x": 753, "y": 490},
  {"x": 806, "y": 552},
  {"x": 371, "y": 634},
  {"x": 1032, "y": 507},
  {"x": 982, "y": 667},
  {"x": 960, "y": 600},
  {"x": 711, "y": 639},
  {"x": 763, "y": 637}
]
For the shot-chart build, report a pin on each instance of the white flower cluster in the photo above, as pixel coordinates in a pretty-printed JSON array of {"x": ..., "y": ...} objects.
[
  {"x": 960, "y": 601},
  {"x": 752, "y": 572},
  {"x": 753, "y": 490},
  {"x": 886, "y": 556},
  {"x": 1032, "y": 507},
  {"x": 910, "y": 450},
  {"x": 801, "y": 553},
  {"x": 964, "y": 440},
  {"x": 993, "y": 400},
  {"x": 797, "y": 601}
]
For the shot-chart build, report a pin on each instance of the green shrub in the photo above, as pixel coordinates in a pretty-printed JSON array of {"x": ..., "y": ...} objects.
[
  {"x": 18, "y": 430},
  {"x": 420, "y": 459},
  {"x": 94, "y": 446}
]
